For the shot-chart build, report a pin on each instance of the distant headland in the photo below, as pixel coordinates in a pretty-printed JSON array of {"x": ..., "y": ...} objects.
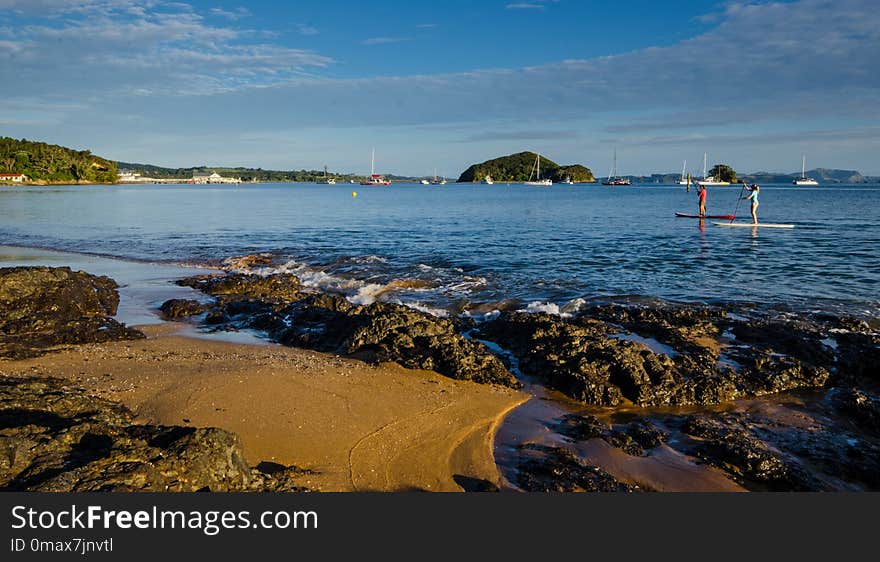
[{"x": 25, "y": 162}]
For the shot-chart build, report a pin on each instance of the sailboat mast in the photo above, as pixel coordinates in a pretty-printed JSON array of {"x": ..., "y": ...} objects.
[
  {"x": 373, "y": 163},
  {"x": 538, "y": 164},
  {"x": 804, "y": 166},
  {"x": 705, "y": 163}
]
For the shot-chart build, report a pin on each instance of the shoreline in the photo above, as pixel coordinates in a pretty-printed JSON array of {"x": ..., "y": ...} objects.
[
  {"x": 356, "y": 426},
  {"x": 404, "y": 437}
]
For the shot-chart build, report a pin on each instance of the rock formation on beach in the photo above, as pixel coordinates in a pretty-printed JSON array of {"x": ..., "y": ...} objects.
[
  {"x": 57, "y": 438},
  {"x": 770, "y": 399},
  {"x": 42, "y": 307},
  {"x": 324, "y": 322}
]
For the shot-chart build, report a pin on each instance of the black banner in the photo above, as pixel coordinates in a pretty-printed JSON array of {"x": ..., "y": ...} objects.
[{"x": 251, "y": 526}]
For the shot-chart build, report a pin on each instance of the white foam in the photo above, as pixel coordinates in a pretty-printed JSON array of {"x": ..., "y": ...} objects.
[
  {"x": 438, "y": 312},
  {"x": 484, "y": 317},
  {"x": 367, "y": 294},
  {"x": 546, "y": 307}
]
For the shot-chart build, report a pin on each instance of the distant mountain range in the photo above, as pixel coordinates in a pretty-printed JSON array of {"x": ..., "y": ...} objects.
[
  {"x": 48, "y": 163},
  {"x": 822, "y": 175}
]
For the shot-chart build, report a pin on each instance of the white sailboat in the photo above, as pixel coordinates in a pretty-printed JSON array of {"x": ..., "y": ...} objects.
[
  {"x": 709, "y": 180},
  {"x": 488, "y": 180},
  {"x": 612, "y": 175},
  {"x": 684, "y": 178},
  {"x": 804, "y": 180},
  {"x": 375, "y": 179},
  {"x": 536, "y": 171},
  {"x": 436, "y": 180}
]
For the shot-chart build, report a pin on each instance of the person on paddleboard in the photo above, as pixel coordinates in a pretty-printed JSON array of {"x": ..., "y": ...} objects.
[
  {"x": 754, "y": 190},
  {"x": 702, "y": 193}
]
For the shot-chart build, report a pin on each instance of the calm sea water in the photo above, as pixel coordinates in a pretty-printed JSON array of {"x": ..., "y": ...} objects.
[{"x": 460, "y": 245}]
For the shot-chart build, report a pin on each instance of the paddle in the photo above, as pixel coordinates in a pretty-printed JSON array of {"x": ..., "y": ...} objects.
[{"x": 738, "y": 200}]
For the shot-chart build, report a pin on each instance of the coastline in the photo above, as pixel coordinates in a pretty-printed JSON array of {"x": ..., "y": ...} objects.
[{"x": 698, "y": 422}]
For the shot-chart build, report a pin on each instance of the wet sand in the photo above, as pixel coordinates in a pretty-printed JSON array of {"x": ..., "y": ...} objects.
[{"x": 359, "y": 427}]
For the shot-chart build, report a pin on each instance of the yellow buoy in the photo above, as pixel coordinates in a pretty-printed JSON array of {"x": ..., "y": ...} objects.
[{"x": 354, "y": 193}]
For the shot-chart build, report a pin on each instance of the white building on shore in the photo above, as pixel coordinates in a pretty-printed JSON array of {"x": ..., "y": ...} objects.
[
  {"x": 17, "y": 178},
  {"x": 213, "y": 177}
]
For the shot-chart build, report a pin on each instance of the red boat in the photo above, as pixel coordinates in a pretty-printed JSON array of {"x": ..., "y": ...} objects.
[
  {"x": 376, "y": 179},
  {"x": 689, "y": 216}
]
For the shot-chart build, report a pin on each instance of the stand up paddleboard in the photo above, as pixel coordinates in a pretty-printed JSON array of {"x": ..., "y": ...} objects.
[
  {"x": 688, "y": 216},
  {"x": 750, "y": 225}
]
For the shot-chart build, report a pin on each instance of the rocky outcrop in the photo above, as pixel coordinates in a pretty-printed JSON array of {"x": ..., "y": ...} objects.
[
  {"x": 180, "y": 308},
  {"x": 45, "y": 306},
  {"x": 56, "y": 438},
  {"x": 726, "y": 441},
  {"x": 635, "y": 438},
  {"x": 281, "y": 287},
  {"x": 556, "y": 469},
  {"x": 591, "y": 359},
  {"x": 324, "y": 322}
]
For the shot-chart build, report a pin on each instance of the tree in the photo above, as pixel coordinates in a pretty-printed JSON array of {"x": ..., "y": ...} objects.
[{"x": 723, "y": 172}]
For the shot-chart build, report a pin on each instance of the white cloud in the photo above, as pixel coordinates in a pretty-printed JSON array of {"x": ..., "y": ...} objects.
[
  {"x": 234, "y": 15},
  {"x": 383, "y": 40}
]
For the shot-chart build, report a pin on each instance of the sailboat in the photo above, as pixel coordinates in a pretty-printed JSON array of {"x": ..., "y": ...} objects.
[
  {"x": 538, "y": 180},
  {"x": 612, "y": 176},
  {"x": 684, "y": 179},
  {"x": 436, "y": 181},
  {"x": 709, "y": 180},
  {"x": 804, "y": 180},
  {"x": 375, "y": 179},
  {"x": 488, "y": 180}
]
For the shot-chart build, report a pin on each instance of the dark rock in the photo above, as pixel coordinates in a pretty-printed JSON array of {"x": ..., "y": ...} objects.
[
  {"x": 280, "y": 287},
  {"x": 389, "y": 332},
  {"x": 330, "y": 323},
  {"x": 556, "y": 469},
  {"x": 579, "y": 358},
  {"x": 247, "y": 261},
  {"x": 633, "y": 438},
  {"x": 181, "y": 308},
  {"x": 691, "y": 328},
  {"x": 726, "y": 442},
  {"x": 859, "y": 406},
  {"x": 45, "y": 306},
  {"x": 858, "y": 355},
  {"x": 56, "y": 438}
]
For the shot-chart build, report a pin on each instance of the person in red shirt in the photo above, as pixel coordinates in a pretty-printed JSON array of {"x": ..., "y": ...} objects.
[{"x": 702, "y": 193}]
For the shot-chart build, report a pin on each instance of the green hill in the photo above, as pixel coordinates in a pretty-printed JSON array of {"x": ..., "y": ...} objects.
[
  {"x": 518, "y": 167},
  {"x": 50, "y": 163}
]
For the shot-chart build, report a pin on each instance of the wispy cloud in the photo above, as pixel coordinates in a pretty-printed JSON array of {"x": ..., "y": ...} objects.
[
  {"x": 305, "y": 29},
  {"x": 383, "y": 40},
  {"x": 534, "y": 5},
  {"x": 426, "y": 26},
  {"x": 525, "y": 6},
  {"x": 235, "y": 15},
  {"x": 530, "y": 135}
]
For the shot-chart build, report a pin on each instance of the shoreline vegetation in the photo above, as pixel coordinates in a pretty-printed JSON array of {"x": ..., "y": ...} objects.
[
  {"x": 654, "y": 396},
  {"x": 46, "y": 165}
]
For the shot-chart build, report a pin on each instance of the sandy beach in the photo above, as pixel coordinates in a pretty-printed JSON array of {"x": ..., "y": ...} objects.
[{"x": 358, "y": 427}]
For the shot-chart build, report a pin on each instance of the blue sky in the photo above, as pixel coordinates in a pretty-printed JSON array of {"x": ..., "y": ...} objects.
[{"x": 447, "y": 83}]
